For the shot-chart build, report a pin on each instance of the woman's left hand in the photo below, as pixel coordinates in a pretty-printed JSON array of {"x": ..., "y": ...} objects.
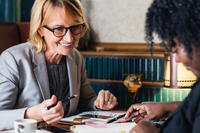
[{"x": 105, "y": 100}]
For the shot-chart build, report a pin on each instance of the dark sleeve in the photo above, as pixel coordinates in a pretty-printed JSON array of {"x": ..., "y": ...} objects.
[
  {"x": 87, "y": 93},
  {"x": 196, "y": 125}
]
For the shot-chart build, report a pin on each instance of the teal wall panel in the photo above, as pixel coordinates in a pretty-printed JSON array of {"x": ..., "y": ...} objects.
[
  {"x": 15, "y": 10},
  {"x": 9, "y": 10},
  {"x": 114, "y": 68},
  {"x": 26, "y": 6},
  {"x": 161, "y": 94}
]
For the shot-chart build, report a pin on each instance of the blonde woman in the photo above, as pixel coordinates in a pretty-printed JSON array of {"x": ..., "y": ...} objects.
[{"x": 47, "y": 69}]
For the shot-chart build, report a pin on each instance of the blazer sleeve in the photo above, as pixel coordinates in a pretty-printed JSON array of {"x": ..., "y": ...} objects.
[
  {"x": 9, "y": 79},
  {"x": 87, "y": 93}
]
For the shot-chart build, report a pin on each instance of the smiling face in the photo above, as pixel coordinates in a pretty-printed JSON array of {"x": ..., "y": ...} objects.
[{"x": 61, "y": 46}]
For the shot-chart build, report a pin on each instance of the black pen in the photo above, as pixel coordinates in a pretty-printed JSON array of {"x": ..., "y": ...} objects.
[
  {"x": 115, "y": 118},
  {"x": 66, "y": 99}
]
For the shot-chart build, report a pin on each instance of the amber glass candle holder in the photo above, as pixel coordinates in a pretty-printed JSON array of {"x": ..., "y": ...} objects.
[{"x": 133, "y": 83}]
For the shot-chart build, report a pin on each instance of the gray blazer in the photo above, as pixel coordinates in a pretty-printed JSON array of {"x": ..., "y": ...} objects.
[{"x": 24, "y": 83}]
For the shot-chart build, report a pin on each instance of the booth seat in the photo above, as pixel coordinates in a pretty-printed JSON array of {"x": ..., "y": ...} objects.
[{"x": 12, "y": 34}]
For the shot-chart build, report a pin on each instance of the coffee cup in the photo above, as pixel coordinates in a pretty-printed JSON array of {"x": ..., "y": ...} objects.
[{"x": 25, "y": 126}]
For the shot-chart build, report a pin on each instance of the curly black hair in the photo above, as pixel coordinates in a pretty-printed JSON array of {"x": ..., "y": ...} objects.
[{"x": 171, "y": 19}]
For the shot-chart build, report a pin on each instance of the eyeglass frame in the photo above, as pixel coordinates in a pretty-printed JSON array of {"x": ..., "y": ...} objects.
[{"x": 66, "y": 29}]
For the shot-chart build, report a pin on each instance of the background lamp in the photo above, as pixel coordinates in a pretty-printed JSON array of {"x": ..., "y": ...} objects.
[{"x": 176, "y": 75}]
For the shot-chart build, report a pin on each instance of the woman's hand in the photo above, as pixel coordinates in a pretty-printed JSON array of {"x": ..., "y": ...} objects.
[
  {"x": 147, "y": 111},
  {"x": 145, "y": 127},
  {"x": 41, "y": 112},
  {"x": 105, "y": 100}
]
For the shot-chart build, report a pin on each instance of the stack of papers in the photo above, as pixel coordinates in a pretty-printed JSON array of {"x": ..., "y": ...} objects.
[
  {"x": 101, "y": 116},
  {"x": 104, "y": 116},
  {"x": 98, "y": 122},
  {"x": 104, "y": 128}
]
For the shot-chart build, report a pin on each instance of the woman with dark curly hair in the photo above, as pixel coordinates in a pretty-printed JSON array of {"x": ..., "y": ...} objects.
[{"x": 177, "y": 24}]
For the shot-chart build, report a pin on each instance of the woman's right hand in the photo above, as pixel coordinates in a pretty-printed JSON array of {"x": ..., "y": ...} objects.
[
  {"x": 40, "y": 112},
  {"x": 147, "y": 111}
]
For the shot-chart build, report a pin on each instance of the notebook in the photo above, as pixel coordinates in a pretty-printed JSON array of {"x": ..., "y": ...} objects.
[{"x": 101, "y": 116}]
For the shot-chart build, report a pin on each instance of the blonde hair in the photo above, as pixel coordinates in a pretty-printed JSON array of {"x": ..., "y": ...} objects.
[{"x": 40, "y": 11}]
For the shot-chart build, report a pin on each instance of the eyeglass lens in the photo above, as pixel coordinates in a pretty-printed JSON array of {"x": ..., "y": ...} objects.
[{"x": 61, "y": 31}]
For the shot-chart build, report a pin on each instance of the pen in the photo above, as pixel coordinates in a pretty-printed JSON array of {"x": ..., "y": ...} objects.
[
  {"x": 115, "y": 118},
  {"x": 66, "y": 99}
]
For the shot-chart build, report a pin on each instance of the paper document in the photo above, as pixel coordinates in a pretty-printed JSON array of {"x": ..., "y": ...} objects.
[
  {"x": 105, "y": 116},
  {"x": 102, "y": 116},
  {"x": 104, "y": 128}
]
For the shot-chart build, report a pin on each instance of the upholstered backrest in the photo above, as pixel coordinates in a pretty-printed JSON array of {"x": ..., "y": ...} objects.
[
  {"x": 9, "y": 35},
  {"x": 24, "y": 28},
  {"x": 12, "y": 34}
]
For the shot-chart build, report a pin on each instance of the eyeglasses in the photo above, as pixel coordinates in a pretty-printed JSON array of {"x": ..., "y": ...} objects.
[{"x": 61, "y": 31}]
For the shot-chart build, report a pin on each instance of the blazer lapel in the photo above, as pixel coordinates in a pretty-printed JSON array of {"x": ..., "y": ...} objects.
[
  {"x": 41, "y": 75},
  {"x": 73, "y": 82}
]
